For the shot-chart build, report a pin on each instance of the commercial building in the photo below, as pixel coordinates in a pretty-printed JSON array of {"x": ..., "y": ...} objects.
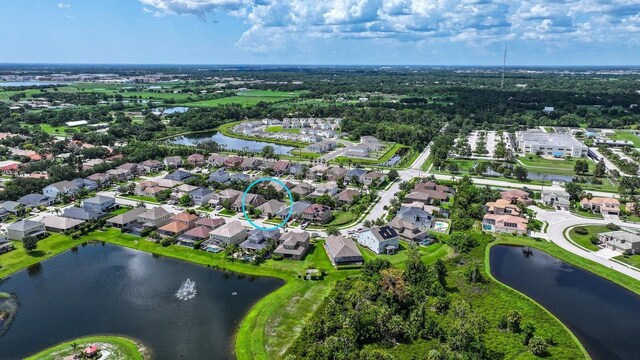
[{"x": 549, "y": 144}]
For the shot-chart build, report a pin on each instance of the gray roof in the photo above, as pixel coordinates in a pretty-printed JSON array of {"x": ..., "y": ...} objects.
[
  {"x": 340, "y": 246},
  {"x": 80, "y": 213},
  {"x": 298, "y": 208},
  {"x": 33, "y": 199},
  {"x": 178, "y": 175},
  {"x": 355, "y": 172},
  {"x": 201, "y": 192},
  {"x": 11, "y": 205},
  {"x": 411, "y": 214},
  {"x": 127, "y": 217},
  {"x": 63, "y": 185},
  {"x": 155, "y": 213},
  {"x": 59, "y": 222},
  {"x": 384, "y": 233},
  {"x": 24, "y": 225},
  {"x": 99, "y": 199},
  {"x": 623, "y": 236}
]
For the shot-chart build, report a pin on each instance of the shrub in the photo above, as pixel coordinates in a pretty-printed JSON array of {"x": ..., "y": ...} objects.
[
  {"x": 537, "y": 346},
  {"x": 277, "y": 257},
  {"x": 581, "y": 230},
  {"x": 613, "y": 227}
]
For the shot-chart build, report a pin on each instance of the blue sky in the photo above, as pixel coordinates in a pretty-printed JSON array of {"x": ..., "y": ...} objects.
[{"x": 429, "y": 32}]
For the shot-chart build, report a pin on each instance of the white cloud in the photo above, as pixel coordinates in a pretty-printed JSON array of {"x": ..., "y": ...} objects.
[
  {"x": 62, "y": 5},
  {"x": 275, "y": 23}
]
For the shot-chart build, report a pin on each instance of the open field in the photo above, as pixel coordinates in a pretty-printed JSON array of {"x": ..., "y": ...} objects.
[
  {"x": 535, "y": 163},
  {"x": 61, "y": 130},
  {"x": 280, "y": 129},
  {"x": 245, "y": 98},
  {"x": 391, "y": 151}
]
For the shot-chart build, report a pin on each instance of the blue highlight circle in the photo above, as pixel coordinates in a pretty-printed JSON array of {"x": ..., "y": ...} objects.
[{"x": 244, "y": 212}]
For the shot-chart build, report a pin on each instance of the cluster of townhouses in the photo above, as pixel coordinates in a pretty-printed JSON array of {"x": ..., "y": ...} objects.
[
  {"x": 311, "y": 130},
  {"x": 367, "y": 146}
]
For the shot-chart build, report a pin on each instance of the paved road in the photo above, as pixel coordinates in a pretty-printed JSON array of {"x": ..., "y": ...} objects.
[
  {"x": 559, "y": 221},
  {"x": 608, "y": 164}
]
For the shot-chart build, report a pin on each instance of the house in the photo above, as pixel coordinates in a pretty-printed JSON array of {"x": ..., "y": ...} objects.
[
  {"x": 59, "y": 224},
  {"x": 302, "y": 189},
  {"x": 155, "y": 217},
  {"x": 379, "y": 239},
  {"x": 281, "y": 167},
  {"x": 348, "y": 196},
  {"x": 90, "y": 164},
  {"x": 249, "y": 200},
  {"x": 231, "y": 233},
  {"x": 120, "y": 174},
  {"x": 3, "y": 213},
  {"x": 173, "y": 228},
  {"x": 5, "y": 245},
  {"x": 626, "y": 242},
  {"x": 141, "y": 187},
  {"x": 502, "y": 207},
  {"x": 13, "y": 207},
  {"x": 86, "y": 184},
  {"x": 185, "y": 218},
  {"x": 79, "y": 213},
  {"x": 317, "y": 214},
  {"x": 34, "y": 200},
  {"x": 430, "y": 185},
  {"x": 227, "y": 195},
  {"x": 271, "y": 207},
  {"x": 216, "y": 160},
  {"x": 517, "y": 196},
  {"x": 178, "y": 175},
  {"x": 371, "y": 143},
  {"x": 24, "y": 228},
  {"x": 373, "y": 178},
  {"x": 99, "y": 204},
  {"x": 199, "y": 233},
  {"x": 407, "y": 230},
  {"x": 416, "y": 216},
  {"x": 504, "y": 224},
  {"x": 293, "y": 245},
  {"x": 172, "y": 162},
  {"x": 151, "y": 166},
  {"x": 250, "y": 164},
  {"x": 101, "y": 179},
  {"x": 336, "y": 173},
  {"x": 342, "y": 250},
  {"x": 219, "y": 176},
  {"x": 240, "y": 177},
  {"x": 556, "y": 198},
  {"x": 196, "y": 160},
  {"x": 357, "y": 151},
  {"x": 168, "y": 183},
  {"x": 211, "y": 223},
  {"x": 201, "y": 196},
  {"x": 61, "y": 187},
  {"x": 233, "y": 161},
  {"x": 296, "y": 210},
  {"x": 605, "y": 206},
  {"x": 418, "y": 196},
  {"x": 126, "y": 220},
  {"x": 329, "y": 188},
  {"x": 259, "y": 239},
  {"x": 135, "y": 169},
  {"x": 297, "y": 169},
  {"x": 318, "y": 172},
  {"x": 356, "y": 174}
]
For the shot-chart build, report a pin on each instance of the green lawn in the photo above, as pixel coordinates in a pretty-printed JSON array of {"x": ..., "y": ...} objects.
[
  {"x": 585, "y": 240},
  {"x": 268, "y": 93},
  {"x": 247, "y": 98},
  {"x": 119, "y": 348},
  {"x": 19, "y": 259},
  {"x": 633, "y": 260},
  {"x": 429, "y": 254},
  {"x": 384, "y": 157},
  {"x": 280, "y": 129},
  {"x": 149, "y": 199},
  {"x": 51, "y": 130},
  {"x": 341, "y": 218},
  {"x": 536, "y": 163},
  {"x": 581, "y": 212},
  {"x": 626, "y": 135}
]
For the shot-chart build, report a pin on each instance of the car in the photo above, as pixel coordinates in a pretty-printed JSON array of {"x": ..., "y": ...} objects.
[
  {"x": 303, "y": 226},
  {"x": 219, "y": 207}
]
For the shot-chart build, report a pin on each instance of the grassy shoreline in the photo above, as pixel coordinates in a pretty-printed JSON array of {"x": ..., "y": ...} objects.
[{"x": 124, "y": 346}]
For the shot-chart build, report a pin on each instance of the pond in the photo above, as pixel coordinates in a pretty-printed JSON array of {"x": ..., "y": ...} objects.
[
  {"x": 550, "y": 177},
  {"x": 106, "y": 289},
  {"x": 229, "y": 142},
  {"x": 602, "y": 314},
  {"x": 171, "y": 110}
]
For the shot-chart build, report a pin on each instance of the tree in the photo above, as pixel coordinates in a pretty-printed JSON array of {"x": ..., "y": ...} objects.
[
  {"x": 574, "y": 190},
  {"x": 462, "y": 242},
  {"x": 29, "y": 243},
  {"x": 393, "y": 175},
  {"x": 332, "y": 230},
  {"x": 452, "y": 167},
  {"x": 521, "y": 173},
  {"x": 600, "y": 169},
  {"x": 186, "y": 200},
  {"x": 268, "y": 152},
  {"x": 537, "y": 345},
  {"x": 581, "y": 167},
  {"x": 513, "y": 319}
]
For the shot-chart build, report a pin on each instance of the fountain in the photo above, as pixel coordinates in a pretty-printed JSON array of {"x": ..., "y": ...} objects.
[{"x": 187, "y": 290}]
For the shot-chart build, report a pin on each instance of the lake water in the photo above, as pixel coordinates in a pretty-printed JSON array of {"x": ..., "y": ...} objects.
[
  {"x": 603, "y": 315},
  {"x": 171, "y": 110},
  {"x": 229, "y": 142},
  {"x": 107, "y": 289}
]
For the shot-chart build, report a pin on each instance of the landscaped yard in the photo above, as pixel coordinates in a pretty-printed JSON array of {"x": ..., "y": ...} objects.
[
  {"x": 341, "y": 218},
  {"x": 149, "y": 199},
  {"x": 584, "y": 213},
  {"x": 538, "y": 164},
  {"x": 584, "y": 240},
  {"x": 429, "y": 253}
]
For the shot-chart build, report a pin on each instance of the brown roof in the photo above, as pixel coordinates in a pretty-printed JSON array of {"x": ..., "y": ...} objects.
[
  {"x": 211, "y": 223},
  {"x": 201, "y": 232},
  {"x": 175, "y": 227},
  {"x": 184, "y": 217},
  {"x": 348, "y": 195}
]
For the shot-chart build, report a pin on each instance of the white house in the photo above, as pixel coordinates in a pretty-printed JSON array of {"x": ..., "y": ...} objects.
[{"x": 381, "y": 240}]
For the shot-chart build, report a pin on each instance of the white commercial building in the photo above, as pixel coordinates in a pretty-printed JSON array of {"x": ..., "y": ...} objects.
[{"x": 556, "y": 145}]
